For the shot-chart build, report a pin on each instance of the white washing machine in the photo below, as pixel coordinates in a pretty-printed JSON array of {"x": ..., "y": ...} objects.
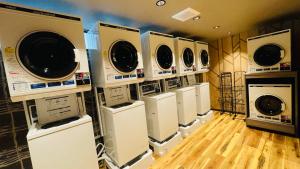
[
  {"x": 271, "y": 102},
  {"x": 118, "y": 60},
  {"x": 162, "y": 122},
  {"x": 186, "y": 105},
  {"x": 158, "y": 55},
  {"x": 187, "y": 110},
  {"x": 185, "y": 56},
  {"x": 202, "y": 98},
  {"x": 65, "y": 146},
  {"x": 161, "y": 113},
  {"x": 43, "y": 53},
  {"x": 125, "y": 132},
  {"x": 270, "y": 52},
  {"x": 202, "y": 57},
  {"x": 203, "y": 102}
]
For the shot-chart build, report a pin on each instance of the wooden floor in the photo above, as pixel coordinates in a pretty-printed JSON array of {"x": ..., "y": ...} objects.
[{"x": 225, "y": 143}]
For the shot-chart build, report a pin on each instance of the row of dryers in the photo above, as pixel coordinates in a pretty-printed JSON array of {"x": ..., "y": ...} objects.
[
  {"x": 44, "y": 52},
  {"x": 124, "y": 56}
]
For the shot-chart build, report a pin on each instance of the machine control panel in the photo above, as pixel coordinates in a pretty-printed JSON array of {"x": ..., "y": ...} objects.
[{"x": 53, "y": 109}]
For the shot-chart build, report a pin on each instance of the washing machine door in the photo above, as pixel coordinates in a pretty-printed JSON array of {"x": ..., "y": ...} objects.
[
  {"x": 268, "y": 55},
  {"x": 124, "y": 56},
  {"x": 204, "y": 57},
  {"x": 164, "y": 57},
  {"x": 188, "y": 57},
  {"x": 47, "y": 55},
  {"x": 269, "y": 105}
]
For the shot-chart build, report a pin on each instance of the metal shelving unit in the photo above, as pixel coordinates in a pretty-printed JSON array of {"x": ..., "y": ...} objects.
[
  {"x": 239, "y": 92},
  {"x": 226, "y": 92}
]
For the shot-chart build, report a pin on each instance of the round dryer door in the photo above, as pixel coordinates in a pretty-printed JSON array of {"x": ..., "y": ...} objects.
[
  {"x": 124, "y": 57},
  {"x": 268, "y": 55},
  {"x": 269, "y": 105},
  {"x": 188, "y": 57},
  {"x": 204, "y": 57},
  {"x": 47, "y": 55},
  {"x": 164, "y": 57}
]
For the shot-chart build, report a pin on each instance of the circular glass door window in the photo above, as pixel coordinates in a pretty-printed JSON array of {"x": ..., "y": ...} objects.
[
  {"x": 188, "y": 57},
  {"x": 269, "y": 105},
  {"x": 267, "y": 55},
  {"x": 164, "y": 57},
  {"x": 204, "y": 57},
  {"x": 47, "y": 55},
  {"x": 124, "y": 56}
]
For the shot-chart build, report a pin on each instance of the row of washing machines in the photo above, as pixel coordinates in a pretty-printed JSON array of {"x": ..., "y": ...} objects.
[
  {"x": 47, "y": 68},
  {"x": 159, "y": 120}
]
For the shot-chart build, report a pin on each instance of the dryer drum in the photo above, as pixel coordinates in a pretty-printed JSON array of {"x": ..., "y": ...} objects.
[
  {"x": 267, "y": 55},
  {"x": 164, "y": 57},
  {"x": 188, "y": 57},
  {"x": 47, "y": 55},
  {"x": 269, "y": 105},
  {"x": 204, "y": 57},
  {"x": 124, "y": 56}
]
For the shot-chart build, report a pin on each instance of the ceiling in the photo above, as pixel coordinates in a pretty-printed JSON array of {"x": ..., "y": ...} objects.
[{"x": 231, "y": 15}]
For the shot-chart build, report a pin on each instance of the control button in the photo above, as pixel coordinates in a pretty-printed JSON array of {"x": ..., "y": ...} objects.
[
  {"x": 125, "y": 76},
  {"x": 54, "y": 84},
  {"x": 69, "y": 82},
  {"x": 38, "y": 85},
  {"x": 118, "y": 77}
]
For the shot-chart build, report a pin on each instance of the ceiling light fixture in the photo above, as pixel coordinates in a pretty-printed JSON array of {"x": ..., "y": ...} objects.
[
  {"x": 161, "y": 2},
  {"x": 196, "y": 18},
  {"x": 186, "y": 14},
  {"x": 216, "y": 27}
]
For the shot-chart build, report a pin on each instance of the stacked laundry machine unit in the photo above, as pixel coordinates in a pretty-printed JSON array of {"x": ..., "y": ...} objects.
[
  {"x": 115, "y": 65},
  {"x": 161, "y": 108},
  {"x": 202, "y": 89},
  {"x": 46, "y": 67},
  {"x": 271, "y": 86}
]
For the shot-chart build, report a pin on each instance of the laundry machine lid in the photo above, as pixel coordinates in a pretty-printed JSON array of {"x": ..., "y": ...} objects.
[
  {"x": 268, "y": 55},
  {"x": 188, "y": 57},
  {"x": 47, "y": 55},
  {"x": 124, "y": 56},
  {"x": 204, "y": 57},
  {"x": 269, "y": 105},
  {"x": 164, "y": 56}
]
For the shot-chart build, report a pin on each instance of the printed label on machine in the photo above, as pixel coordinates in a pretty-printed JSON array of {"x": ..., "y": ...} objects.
[{"x": 116, "y": 95}]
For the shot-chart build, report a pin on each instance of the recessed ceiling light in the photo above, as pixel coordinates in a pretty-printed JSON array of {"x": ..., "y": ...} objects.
[
  {"x": 196, "y": 18},
  {"x": 216, "y": 27},
  {"x": 161, "y": 2}
]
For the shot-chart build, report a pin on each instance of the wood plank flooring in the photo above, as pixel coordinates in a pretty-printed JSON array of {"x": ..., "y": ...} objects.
[{"x": 225, "y": 144}]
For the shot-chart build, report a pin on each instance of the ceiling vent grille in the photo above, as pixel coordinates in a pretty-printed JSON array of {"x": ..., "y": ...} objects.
[{"x": 186, "y": 14}]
